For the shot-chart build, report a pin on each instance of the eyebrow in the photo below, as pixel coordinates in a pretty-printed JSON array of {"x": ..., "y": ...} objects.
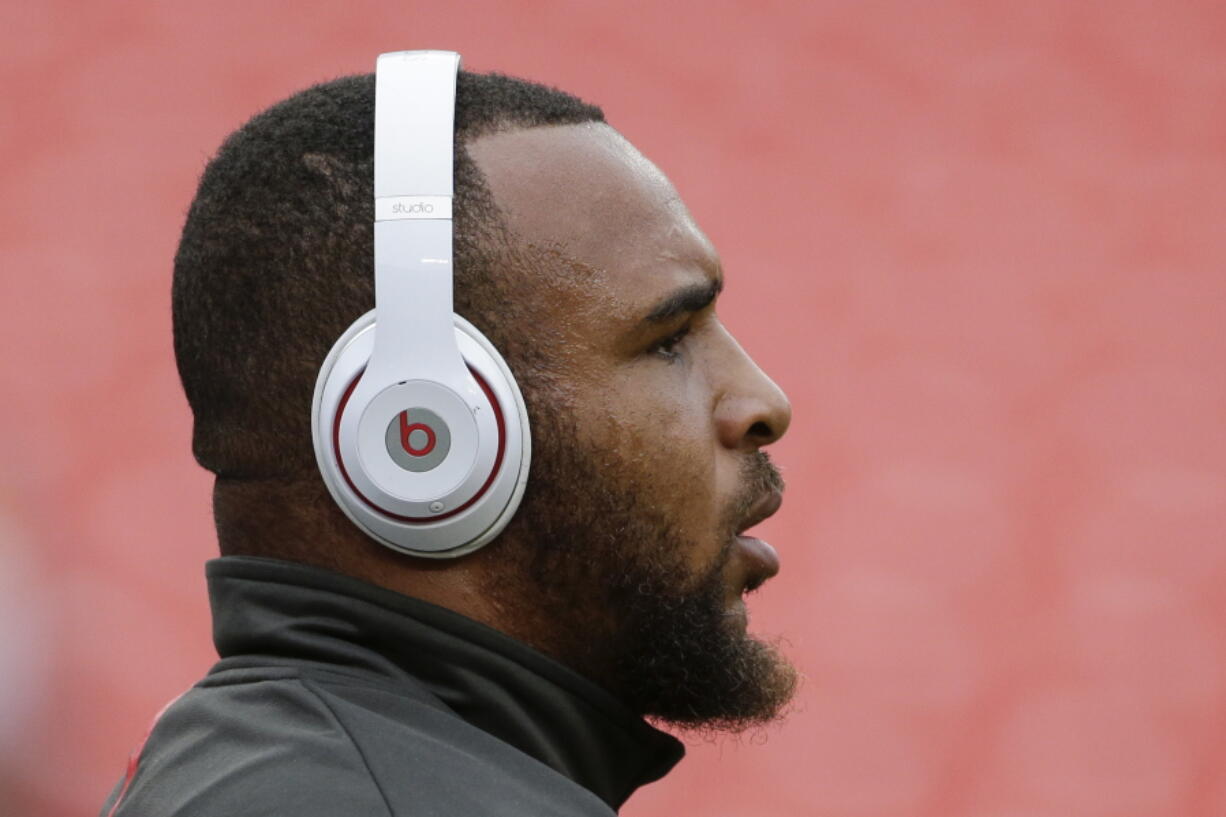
[{"x": 691, "y": 298}]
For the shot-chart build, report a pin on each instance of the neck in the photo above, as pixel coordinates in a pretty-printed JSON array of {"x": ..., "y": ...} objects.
[
  {"x": 269, "y": 613},
  {"x": 297, "y": 521}
]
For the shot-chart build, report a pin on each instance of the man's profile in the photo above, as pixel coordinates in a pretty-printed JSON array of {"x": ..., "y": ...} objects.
[{"x": 514, "y": 679}]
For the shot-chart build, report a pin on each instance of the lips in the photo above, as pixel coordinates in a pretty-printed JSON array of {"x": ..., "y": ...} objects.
[
  {"x": 761, "y": 560},
  {"x": 763, "y": 508}
]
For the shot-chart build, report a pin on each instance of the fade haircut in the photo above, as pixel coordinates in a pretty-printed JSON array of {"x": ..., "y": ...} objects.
[{"x": 276, "y": 259}]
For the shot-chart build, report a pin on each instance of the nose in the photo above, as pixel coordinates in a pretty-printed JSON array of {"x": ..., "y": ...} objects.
[{"x": 751, "y": 411}]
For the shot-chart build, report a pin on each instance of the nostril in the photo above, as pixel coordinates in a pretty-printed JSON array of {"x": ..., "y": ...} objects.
[{"x": 761, "y": 431}]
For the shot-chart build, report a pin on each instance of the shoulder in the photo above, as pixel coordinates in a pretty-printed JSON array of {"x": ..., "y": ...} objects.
[
  {"x": 422, "y": 752},
  {"x": 327, "y": 744},
  {"x": 265, "y": 747}
]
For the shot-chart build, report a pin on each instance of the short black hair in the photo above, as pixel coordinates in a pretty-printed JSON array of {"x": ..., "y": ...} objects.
[{"x": 276, "y": 259}]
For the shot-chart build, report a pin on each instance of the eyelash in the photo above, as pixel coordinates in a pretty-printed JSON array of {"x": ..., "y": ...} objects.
[{"x": 667, "y": 348}]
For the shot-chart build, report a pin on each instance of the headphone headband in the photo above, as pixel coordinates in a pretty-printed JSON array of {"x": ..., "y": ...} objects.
[
  {"x": 414, "y": 133},
  {"x": 414, "y": 152}
]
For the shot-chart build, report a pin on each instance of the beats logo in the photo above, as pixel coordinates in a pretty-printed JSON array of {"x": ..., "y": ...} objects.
[{"x": 417, "y": 439}]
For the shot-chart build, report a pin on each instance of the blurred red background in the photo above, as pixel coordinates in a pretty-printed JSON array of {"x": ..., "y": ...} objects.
[{"x": 979, "y": 243}]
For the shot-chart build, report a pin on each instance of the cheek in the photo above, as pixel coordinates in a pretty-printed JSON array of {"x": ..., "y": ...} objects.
[{"x": 661, "y": 438}]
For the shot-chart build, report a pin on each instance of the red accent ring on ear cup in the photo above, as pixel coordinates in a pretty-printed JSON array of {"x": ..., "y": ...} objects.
[{"x": 340, "y": 463}]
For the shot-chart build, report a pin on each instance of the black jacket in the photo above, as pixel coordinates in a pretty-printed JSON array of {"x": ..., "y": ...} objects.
[{"x": 335, "y": 697}]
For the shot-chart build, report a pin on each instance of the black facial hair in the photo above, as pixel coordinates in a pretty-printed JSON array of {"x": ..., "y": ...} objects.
[{"x": 597, "y": 577}]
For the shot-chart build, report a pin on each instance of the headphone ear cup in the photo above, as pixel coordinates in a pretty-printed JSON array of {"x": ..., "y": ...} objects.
[{"x": 393, "y": 494}]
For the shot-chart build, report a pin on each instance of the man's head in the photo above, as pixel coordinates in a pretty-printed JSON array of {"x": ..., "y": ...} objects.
[{"x": 576, "y": 257}]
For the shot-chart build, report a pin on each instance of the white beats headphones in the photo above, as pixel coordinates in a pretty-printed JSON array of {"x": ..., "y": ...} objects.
[{"x": 420, "y": 430}]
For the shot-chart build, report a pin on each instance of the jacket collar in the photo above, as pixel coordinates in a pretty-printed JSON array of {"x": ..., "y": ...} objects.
[{"x": 265, "y": 607}]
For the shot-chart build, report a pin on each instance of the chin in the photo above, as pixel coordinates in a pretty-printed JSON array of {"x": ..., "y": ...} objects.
[{"x": 737, "y": 612}]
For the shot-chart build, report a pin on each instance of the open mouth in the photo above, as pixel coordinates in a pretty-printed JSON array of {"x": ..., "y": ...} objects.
[{"x": 760, "y": 559}]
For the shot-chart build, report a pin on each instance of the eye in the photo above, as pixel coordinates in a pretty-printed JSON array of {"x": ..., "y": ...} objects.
[{"x": 667, "y": 348}]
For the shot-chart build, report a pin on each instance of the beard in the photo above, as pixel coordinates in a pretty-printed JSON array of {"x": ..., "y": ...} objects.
[{"x": 598, "y": 578}]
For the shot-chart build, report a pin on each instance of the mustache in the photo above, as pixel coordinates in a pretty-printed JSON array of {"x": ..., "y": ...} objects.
[
  {"x": 762, "y": 475},
  {"x": 759, "y": 477}
]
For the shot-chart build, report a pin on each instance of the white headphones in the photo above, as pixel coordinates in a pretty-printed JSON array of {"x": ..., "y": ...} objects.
[{"x": 420, "y": 430}]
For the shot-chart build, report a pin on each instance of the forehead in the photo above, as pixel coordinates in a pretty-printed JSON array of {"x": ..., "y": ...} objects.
[{"x": 585, "y": 190}]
